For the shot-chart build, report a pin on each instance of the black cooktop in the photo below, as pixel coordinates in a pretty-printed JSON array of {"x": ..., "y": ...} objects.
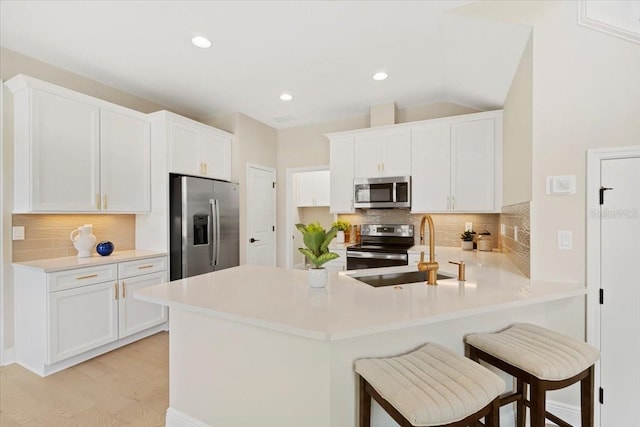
[{"x": 390, "y": 279}]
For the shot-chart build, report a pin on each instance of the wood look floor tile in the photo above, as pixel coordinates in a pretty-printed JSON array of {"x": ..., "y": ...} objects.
[{"x": 125, "y": 387}]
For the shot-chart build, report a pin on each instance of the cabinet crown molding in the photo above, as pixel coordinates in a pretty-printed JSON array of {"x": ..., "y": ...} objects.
[{"x": 168, "y": 115}]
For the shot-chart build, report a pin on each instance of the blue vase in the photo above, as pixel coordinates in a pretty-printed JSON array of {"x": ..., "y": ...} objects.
[{"x": 104, "y": 248}]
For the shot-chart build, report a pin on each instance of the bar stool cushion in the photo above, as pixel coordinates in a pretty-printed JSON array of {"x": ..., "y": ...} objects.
[
  {"x": 432, "y": 385},
  {"x": 541, "y": 352}
]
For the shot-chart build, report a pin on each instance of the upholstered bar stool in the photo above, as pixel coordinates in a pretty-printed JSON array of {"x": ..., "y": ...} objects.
[
  {"x": 432, "y": 386},
  {"x": 542, "y": 359}
]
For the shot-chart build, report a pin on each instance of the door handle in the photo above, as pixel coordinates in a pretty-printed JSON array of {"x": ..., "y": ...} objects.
[{"x": 252, "y": 240}]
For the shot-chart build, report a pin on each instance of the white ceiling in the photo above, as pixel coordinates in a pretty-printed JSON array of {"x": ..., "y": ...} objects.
[{"x": 322, "y": 52}]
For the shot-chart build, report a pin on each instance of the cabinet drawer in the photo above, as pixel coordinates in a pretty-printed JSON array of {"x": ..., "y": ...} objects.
[
  {"x": 79, "y": 277},
  {"x": 141, "y": 266}
]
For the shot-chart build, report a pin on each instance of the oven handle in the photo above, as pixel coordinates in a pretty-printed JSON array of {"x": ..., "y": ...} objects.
[{"x": 374, "y": 255}]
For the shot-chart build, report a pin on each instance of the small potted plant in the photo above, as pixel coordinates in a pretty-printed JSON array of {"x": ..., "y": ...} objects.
[
  {"x": 467, "y": 240},
  {"x": 342, "y": 227},
  {"x": 317, "y": 240}
]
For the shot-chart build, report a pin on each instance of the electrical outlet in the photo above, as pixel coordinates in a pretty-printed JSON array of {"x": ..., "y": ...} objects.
[
  {"x": 515, "y": 233},
  {"x": 503, "y": 229},
  {"x": 18, "y": 232},
  {"x": 468, "y": 226}
]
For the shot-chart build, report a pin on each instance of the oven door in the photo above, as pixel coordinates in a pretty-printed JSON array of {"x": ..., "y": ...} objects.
[{"x": 361, "y": 260}]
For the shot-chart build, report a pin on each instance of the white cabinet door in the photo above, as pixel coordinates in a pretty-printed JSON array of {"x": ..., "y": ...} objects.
[
  {"x": 322, "y": 187},
  {"x": 431, "y": 169},
  {"x": 215, "y": 154},
  {"x": 341, "y": 159},
  {"x": 125, "y": 155},
  {"x": 183, "y": 149},
  {"x": 81, "y": 319},
  {"x": 313, "y": 188},
  {"x": 367, "y": 157},
  {"x": 395, "y": 157},
  {"x": 135, "y": 315},
  {"x": 473, "y": 162},
  {"x": 64, "y": 158}
]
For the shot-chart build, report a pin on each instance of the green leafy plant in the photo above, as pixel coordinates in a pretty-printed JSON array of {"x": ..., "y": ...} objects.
[
  {"x": 317, "y": 240},
  {"x": 467, "y": 236},
  {"x": 341, "y": 225}
]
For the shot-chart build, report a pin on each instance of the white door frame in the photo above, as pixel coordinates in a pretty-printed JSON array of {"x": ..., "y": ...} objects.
[
  {"x": 244, "y": 235},
  {"x": 594, "y": 157},
  {"x": 289, "y": 206}
]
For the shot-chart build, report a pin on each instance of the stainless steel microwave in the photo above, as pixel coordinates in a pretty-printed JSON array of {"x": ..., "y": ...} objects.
[{"x": 387, "y": 192}]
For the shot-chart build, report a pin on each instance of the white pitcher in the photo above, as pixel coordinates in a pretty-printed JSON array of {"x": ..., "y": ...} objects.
[{"x": 83, "y": 240}]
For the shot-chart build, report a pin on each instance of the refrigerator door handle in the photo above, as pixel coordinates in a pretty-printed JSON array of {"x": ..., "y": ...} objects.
[
  {"x": 215, "y": 231},
  {"x": 212, "y": 235},
  {"x": 217, "y": 239}
]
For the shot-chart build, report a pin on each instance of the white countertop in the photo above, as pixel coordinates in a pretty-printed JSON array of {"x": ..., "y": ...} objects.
[
  {"x": 280, "y": 299},
  {"x": 70, "y": 262}
]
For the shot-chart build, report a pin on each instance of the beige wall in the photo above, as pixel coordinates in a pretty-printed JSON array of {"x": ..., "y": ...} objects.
[
  {"x": 517, "y": 137},
  {"x": 584, "y": 86},
  {"x": 307, "y": 146},
  {"x": 253, "y": 142},
  {"x": 11, "y": 64}
]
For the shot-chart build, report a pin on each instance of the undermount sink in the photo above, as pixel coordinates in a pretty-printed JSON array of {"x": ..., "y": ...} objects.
[{"x": 399, "y": 278}]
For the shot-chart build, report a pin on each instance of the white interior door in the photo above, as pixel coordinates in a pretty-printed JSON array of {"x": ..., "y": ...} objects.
[
  {"x": 620, "y": 311},
  {"x": 261, "y": 216}
]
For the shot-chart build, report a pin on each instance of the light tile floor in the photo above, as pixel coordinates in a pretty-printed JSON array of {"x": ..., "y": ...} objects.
[{"x": 126, "y": 387}]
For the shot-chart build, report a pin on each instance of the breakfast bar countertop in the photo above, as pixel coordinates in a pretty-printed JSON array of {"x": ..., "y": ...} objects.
[{"x": 281, "y": 300}]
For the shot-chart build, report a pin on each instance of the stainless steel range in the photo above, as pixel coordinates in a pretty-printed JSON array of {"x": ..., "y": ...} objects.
[{"x": 382, "y": 245}]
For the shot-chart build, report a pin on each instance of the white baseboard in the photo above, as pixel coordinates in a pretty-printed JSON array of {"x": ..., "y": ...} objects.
[
  {"x": 569, "y": 413},
  {"x": 175, "y": 418},
  {"x": 8, "y": 356}
]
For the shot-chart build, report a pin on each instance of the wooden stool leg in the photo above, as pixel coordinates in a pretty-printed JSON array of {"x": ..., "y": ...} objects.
[
  {"x": 365, "y": 404},
  {"x": 586, "y": 399},
  {"x": 521, "y": 408},
  {"x": 538, "y": 404},
  {"x": 493, "y": 418}
]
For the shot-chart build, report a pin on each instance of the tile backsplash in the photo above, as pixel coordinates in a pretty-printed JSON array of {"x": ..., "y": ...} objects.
[
  {"x": 517, "y": 247},
  {"x": 448, "y": 226},
  {"x": 47, "y": 235}
]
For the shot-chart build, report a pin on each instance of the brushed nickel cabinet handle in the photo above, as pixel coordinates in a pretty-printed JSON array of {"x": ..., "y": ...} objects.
[{"x": 89, "y": 276}]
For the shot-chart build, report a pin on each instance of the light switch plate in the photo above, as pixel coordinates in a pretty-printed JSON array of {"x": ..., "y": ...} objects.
[
  {"x": 468, "y": 226},
  {"x": 561, "y": 185},
  {"x": 18, "y": 232},
  {"x": 565, "y": 240}
]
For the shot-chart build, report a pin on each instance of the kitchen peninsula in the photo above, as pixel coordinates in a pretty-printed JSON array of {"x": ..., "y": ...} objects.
[{"x": 255, "y": 345}]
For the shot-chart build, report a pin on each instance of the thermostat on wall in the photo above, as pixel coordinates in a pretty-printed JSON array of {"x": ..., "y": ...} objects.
[{"x": 561, "y": 185}]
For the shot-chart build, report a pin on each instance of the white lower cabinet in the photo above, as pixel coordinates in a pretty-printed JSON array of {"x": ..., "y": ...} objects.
[
  {"x": 81, "y": 319},
  {"x": 338, "y": 264},
  {"x": 68, "y": 316}
]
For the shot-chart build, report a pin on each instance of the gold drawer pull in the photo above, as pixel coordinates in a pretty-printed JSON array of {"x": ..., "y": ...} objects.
[
  {"x": 115, "y": 286},
  {"x": 86, "y": 277},
  {"x": 145, "y": 266},
  {"x": 124, "y": 289}
]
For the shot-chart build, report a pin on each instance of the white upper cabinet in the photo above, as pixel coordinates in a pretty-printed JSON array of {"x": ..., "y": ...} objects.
[
  {"x": 431, "y": 169},
  {"x": 125, "y": 171},
  {"x": 313, "y": 188},
  {"x": 385, "y": 152},
  {"x": 198, "y": 149},
  {"x": 341, "y": 166},
  {"x": 457, "y": 164},
  {"x": 75, "y": 153}
]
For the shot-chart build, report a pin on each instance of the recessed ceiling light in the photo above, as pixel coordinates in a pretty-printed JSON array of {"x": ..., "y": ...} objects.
[
  {"x": 286, "y": 97},
  {"x": 201, "y": 41},
  {"x": 380, "y": 76}
]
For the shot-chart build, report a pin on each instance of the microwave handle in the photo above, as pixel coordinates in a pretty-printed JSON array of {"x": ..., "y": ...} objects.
[{"x": 394, "y": 192}]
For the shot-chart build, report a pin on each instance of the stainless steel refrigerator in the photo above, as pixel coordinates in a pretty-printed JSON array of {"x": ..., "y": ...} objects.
[{"x": 204, "y": 228}]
